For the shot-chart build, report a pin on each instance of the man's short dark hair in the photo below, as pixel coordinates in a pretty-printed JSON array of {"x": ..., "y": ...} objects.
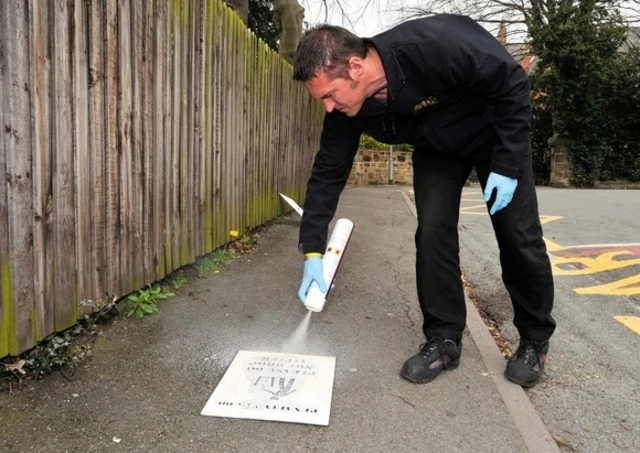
[{"x": 326, "y": 48}]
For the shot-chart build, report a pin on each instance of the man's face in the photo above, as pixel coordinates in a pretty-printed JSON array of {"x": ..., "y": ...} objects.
[{"x": 342, "y": 94}]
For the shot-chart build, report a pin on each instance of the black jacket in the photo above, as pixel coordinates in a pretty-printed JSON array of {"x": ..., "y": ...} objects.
[{"x": 452, "y": 88}]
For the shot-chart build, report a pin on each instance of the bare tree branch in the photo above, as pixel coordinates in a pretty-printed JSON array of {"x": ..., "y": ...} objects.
[{"x": 518, "y": 15}]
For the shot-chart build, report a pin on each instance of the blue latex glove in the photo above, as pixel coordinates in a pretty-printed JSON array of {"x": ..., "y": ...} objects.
[
  {"x": 505, "y": 188},
  {"x": 312, "y": 272}
]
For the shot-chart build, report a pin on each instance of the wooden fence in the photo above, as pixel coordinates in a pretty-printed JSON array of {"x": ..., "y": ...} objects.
[{"x": 135, "y": 136}]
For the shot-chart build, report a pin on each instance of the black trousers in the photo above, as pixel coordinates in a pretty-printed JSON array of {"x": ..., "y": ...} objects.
[{"x": 526, "y": 271}]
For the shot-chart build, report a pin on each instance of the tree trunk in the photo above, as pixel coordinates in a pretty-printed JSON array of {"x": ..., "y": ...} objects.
[
  {"x": 288, "y": 17},
  {"x": 240, "y": 7}
]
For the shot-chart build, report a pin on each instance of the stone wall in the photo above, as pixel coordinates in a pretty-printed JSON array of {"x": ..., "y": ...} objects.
[{"x": 372, "y": 168}]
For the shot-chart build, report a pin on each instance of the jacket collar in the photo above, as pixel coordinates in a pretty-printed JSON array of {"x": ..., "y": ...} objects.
[{"x": 392, "y": 70}]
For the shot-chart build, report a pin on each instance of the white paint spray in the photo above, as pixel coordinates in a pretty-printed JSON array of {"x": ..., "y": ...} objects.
[
  {"x": 296, "y": 342},
  {"x": 330, "y": 263}
]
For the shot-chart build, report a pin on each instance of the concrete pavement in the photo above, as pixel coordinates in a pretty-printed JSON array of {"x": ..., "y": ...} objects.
[{"x": 147, "y": 381}]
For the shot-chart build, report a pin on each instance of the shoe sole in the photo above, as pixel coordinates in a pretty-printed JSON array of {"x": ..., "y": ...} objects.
[
  {"x": 520, "y": 382},
  {"x": 448, "y": 367}
]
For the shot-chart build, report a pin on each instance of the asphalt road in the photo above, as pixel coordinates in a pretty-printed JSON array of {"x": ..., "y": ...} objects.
[{"x": 590, "y": 396}]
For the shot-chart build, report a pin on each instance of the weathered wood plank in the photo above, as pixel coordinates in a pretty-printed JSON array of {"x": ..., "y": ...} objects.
[
  {"x": 138, "y": 216},
  {"x": 255, "y": 125},
  {"x": 267, "y": 106},
  {"x": 112, "y": 152},
  {"x": 279, "y": 155},
  {"x": 7, "y": 321},
  {"x": 170, "y": 125},
  {"x": 192, "y": 203},
  {"x": 83, "y": 185},
  {"x": 251, "y": 181},
  {"x": 97, "y": 139},
  {"x": 217, "y": 124},
  {"x": 160, "y": 142},
  {"x": 264, "y": 133},
  {"x": 259, "y": 127},
  {"x": 232, "y": 107},
  {"x": 198, "y": 130},
  {"x": 241, "y": 142},
  {"x": 19, "y": 175},
  {"x": 242, "y": 117},
  {"x": 177, "y": 124},
  {"x": 148, "y": 154},
  {"x": 64, "y": 293},
  {"x": 43, "y": 250},
  {"x": 208, "y": 149},
  {"x": 270, "y": 200},
  {"x": 185, "y": 150},
  {"x": 232, "y": 162},
  {"x": 125, "y": 147}
]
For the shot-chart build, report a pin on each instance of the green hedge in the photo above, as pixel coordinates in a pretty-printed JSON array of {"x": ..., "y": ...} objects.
[{"x": 592, "y": 92}]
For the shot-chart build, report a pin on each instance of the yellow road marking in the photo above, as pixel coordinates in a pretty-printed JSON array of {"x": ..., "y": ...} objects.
[
  {"x": 632, "y": 322},
  {"x": 552, "y": 246},
  {"x": 624, "y": 287},
  {"x": 466, "y": 208},
  {"x": 550, "y": 218},
  {"x": 602, "y": 263}
]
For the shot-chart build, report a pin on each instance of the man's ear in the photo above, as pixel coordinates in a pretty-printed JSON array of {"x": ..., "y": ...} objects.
[{"x": 356, "y": 68}]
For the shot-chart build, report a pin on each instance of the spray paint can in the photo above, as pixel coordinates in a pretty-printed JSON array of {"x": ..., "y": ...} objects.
[{"x": 330, "y": 262}]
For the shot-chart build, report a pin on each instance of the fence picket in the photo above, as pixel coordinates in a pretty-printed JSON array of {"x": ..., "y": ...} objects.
[
  {"x": 42, "y": 172},
  {"x": 97, "y": 139},
  {"x": 64, "y": 268},
  {"x": 112, "y": 182},
  {"x": 7, "y": 324},
  {"x": 83, "y": 152}
]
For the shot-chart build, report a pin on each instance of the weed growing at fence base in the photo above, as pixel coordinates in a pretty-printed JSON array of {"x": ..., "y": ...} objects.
[
  {"x": 145, "y": 301},
  {"x": 57, "y": 351},
  {"x": 212, "y": 261},
  {"x": 99, "y": 311},
  {"x": 61, "y": 350}
]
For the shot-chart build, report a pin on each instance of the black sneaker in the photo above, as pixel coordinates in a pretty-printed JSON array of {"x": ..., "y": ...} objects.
[
  {"x": 435, "y": 355},
  {"x": 526, "y": 365}
]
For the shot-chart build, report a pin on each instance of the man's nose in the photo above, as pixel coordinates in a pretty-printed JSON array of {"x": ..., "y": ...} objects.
[{"x": 329, "y": 105}]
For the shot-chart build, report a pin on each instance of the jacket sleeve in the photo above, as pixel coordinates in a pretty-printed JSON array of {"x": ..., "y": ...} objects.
[
  {"x": 476, "y": 61},
  {"x": 332, "y": 165}
]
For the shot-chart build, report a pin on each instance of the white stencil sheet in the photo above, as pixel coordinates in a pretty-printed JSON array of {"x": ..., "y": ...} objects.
[{"x": 275, "y": 386}]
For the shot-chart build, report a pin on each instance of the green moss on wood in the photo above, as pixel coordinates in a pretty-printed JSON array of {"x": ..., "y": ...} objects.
[{"x": 8, "y": 327}]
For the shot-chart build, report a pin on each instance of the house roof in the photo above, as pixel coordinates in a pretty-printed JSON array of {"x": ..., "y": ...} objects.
[{"x": 522, "y": 54}]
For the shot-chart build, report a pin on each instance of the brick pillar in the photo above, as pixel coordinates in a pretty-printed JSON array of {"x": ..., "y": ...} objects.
[{"x": 560, "y": 170}]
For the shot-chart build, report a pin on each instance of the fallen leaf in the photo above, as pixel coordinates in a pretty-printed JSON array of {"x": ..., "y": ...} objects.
[
  {"x": 16, "y": 366},
  {"x": 562, "y": 442}
]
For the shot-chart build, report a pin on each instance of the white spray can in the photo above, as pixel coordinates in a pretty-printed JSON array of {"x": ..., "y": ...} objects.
[{"x": 330, "y": 262}]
